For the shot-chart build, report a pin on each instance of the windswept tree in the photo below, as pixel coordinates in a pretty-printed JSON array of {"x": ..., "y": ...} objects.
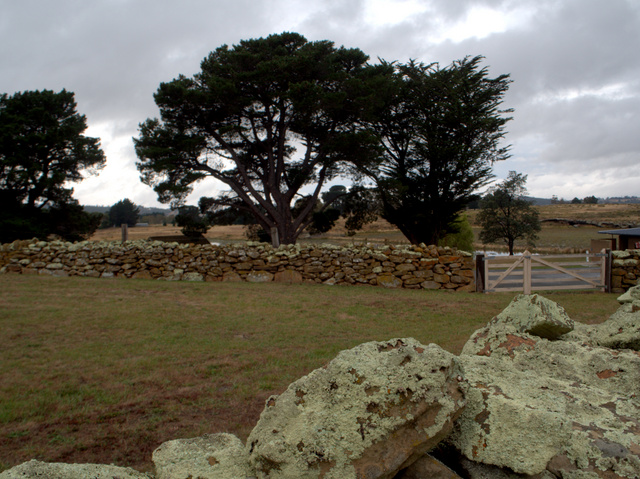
[
  {"x": 506, "y": 216},
  {"x": 267, "y": 118},
  {"x": 440, "y": 130},
  {"x": 42, "y": 150}
]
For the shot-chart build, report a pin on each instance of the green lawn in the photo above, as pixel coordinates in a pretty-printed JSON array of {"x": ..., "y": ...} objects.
[{"x": 96, "y": 370}]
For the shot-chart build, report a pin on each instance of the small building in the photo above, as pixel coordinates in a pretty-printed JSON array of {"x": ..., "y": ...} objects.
[{"x": 627, "y": 239}]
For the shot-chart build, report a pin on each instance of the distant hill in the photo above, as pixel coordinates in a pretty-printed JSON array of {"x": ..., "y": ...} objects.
[
  {"x": 96, "y": 209},
  {"x": 538, "y": 201},
  {"x": 623, "y": 200},
  {"x": 144, "y": 210}
]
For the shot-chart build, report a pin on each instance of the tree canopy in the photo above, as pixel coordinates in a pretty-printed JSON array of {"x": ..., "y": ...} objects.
[
  {"x": 266, "y": 117},
  {"x": 42, "y": 148},
  {"x": 124, "y": 211},
  {"x": 440, "y": 131},
  {"x": 193, "y": 223},
  {"x": 506, "y": 216}
]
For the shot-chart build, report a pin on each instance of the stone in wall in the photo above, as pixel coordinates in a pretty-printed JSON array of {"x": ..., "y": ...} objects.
[{"x": 625, "y": 272}]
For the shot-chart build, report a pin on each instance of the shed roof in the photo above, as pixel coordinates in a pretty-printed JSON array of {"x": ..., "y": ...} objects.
[{"x": 624, "y": 232}]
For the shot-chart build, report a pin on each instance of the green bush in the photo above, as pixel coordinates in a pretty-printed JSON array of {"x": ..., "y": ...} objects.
[{"x": 463, "y": 238}]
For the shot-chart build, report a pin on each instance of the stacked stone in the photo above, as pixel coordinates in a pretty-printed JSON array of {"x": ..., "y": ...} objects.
[
  {"x": 625, "y": 271},
  {"x": 412, "y": 267}
]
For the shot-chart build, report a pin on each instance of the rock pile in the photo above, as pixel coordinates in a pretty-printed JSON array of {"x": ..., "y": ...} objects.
[
  {"x": 412, "y": 267},
  {"x": 533, "y": 395}
]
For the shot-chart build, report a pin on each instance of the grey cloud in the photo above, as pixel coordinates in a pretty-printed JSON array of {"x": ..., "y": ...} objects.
[{"x": 114, "y": 54}]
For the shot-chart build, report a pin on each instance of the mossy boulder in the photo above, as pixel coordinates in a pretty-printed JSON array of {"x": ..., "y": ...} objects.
[
  {"x": 535, "y": 405},
  {"x": 370, "y": 412},
  {"x": 212, "y": 456},
  {"x": 53, "y": 470}
]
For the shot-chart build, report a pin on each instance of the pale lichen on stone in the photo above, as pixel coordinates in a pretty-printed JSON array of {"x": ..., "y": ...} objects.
[
  {"x": 331, "y": 423},
  {"x": 212, "y": 456}
]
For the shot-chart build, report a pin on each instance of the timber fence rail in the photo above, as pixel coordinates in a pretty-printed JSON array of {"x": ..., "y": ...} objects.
[{"x": 529, "y": 272}]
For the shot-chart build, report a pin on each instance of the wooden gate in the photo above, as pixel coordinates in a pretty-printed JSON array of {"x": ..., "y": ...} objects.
[{"x": 530, "y": 272}]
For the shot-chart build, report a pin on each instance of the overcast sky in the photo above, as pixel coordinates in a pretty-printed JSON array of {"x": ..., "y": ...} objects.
[{"x": 575, "y": 66}]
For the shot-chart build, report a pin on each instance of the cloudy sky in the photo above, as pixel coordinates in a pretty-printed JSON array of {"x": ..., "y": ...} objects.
[{"x": 575, "y": 67}]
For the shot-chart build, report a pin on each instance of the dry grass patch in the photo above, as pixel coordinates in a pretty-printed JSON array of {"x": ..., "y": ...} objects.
[{"x": 106, "y": 370}]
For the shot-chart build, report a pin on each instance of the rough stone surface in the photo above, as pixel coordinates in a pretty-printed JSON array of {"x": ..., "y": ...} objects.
[
  {"x": 45, "y": 470},
  {"x": 259, "y": 277},
  {"x": 370, "y": 412},
  {"x": 213, "y": 456},
  {"x": 620, "y": 331},
  {"x": 632, "y": 294},
  {"x": 561, "y": 406},
  {"x": 389, "y": 281},
  {"x": 288, "y": 276},
  {"x": 536, "y": 315}
]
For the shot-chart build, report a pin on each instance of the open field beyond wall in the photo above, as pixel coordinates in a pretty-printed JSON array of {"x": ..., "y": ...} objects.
[
  {"x": 104, "y": 371},
  {"x": 554, "y": 237}
]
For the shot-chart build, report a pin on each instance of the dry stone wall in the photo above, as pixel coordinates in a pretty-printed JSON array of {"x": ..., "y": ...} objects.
[
  {"x": 625, "y": 270},
  {"x": 413, "y": 267}
]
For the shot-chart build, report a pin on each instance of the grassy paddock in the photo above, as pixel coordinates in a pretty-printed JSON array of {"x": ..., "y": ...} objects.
[{"x": 105, "y": 370}]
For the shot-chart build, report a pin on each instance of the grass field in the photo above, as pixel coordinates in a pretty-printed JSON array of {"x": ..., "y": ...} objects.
[{"x": 104, "y": 371}]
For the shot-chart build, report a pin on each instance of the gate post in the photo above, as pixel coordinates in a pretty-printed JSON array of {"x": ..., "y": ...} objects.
[
  {"x": 479, "y": 273},
  {"x": 607, "y": 270},
  {"x": 526, "y": 273}
]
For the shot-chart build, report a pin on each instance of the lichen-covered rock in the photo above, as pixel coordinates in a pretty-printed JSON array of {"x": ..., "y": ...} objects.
[
  {"x": 621, "y": 330},
  {"x": 536, "y": 315},
  {"x": 370, "y": 412},
  {"x": 632, "y": 294},
  {"x": 46, "y": 470},
  {"x": 561, "y": 406},
  {"x": 212, "y": 456},
  {"x": 389, "y": 281},
  {"x": 525, "y": 320},
  {"x": 259, "y": 277}
]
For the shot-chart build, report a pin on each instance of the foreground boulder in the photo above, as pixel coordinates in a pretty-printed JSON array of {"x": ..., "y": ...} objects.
[
  {"x": 533, "y": 395},
  {"x": 370, "y": 412},
  {"x": 540, "y": 407},
  {"x": 212, "y": 456},
  {"x": 37, "y": 469}
]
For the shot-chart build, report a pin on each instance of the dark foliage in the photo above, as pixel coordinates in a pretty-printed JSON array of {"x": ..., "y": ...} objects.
[
  {"x": 42, "y": 148},
  {"x": 124, "y": 212},
  {"x": 440, "y": 132},
  {"x": 194, "y": 224},
  {"x": 242, "y": 120}
]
